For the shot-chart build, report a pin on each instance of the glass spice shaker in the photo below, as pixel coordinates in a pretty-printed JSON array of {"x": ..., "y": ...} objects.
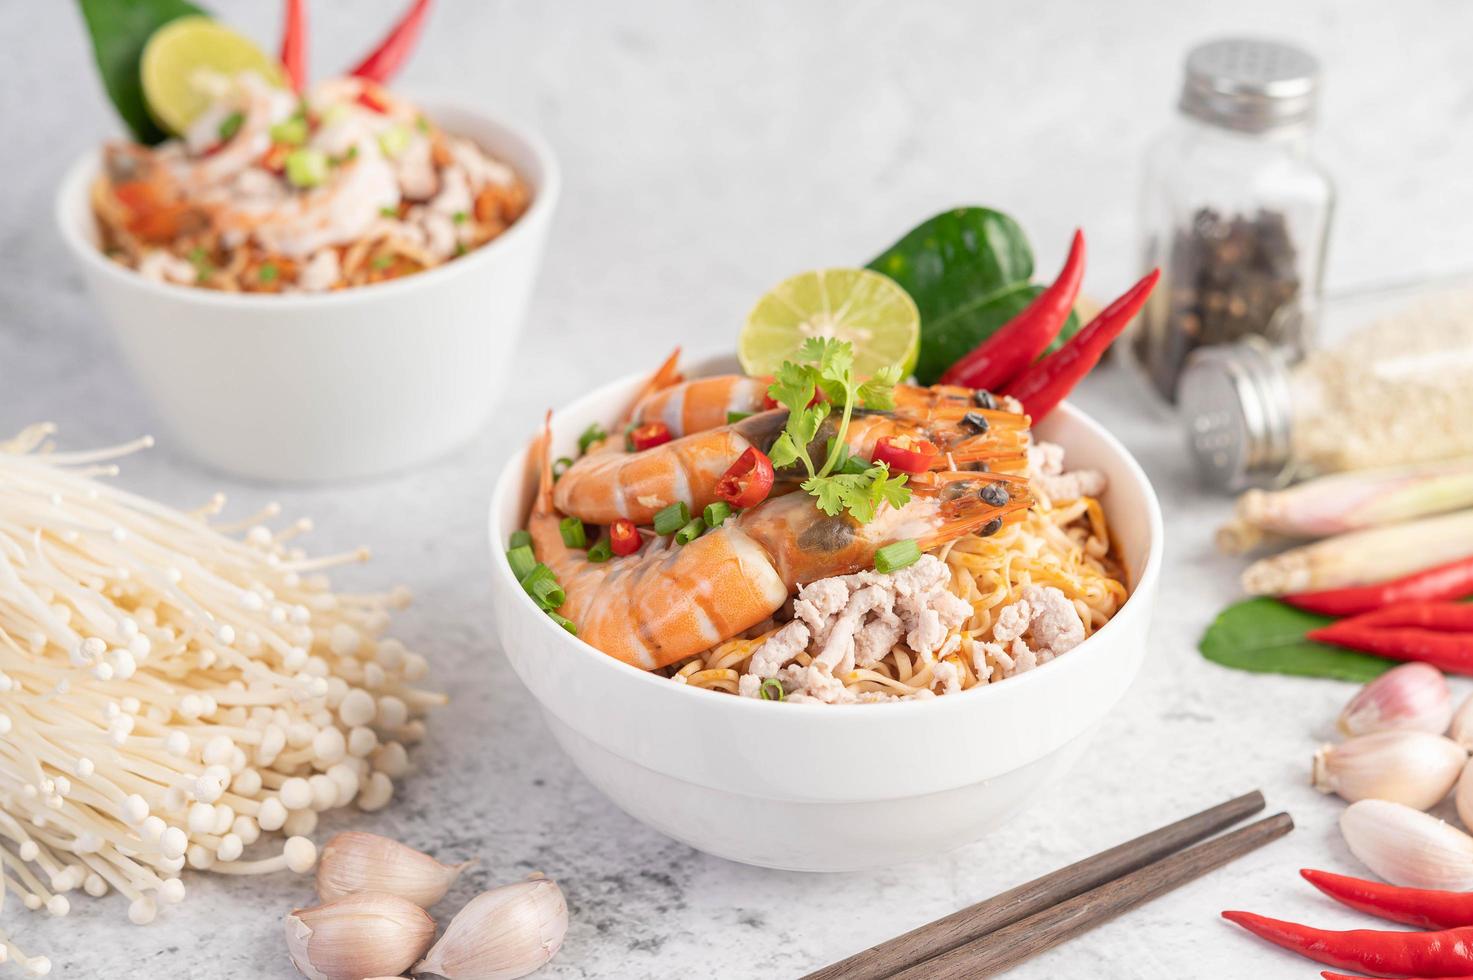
[
  {"x": 1234, "y": 209},
  {"x": 1396, "y": 391}
]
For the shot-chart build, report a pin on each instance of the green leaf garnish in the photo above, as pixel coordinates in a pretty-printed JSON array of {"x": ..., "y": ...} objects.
[{"x": 840, "y": 483}]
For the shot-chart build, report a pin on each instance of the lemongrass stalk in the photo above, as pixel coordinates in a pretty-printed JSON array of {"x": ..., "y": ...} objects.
[
  {"x": 1364, "y": 557},
  {"x": 1348, "y": 502}
]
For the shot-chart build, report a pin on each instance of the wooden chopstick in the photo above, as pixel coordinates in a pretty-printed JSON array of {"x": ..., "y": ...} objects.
[
  {"x": 1011, "y": 945},
  {"x": 976, "y": 921}
]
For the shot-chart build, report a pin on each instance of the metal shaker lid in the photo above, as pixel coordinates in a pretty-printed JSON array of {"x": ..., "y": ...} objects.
[
  {"x": 1248, "y": 84},
  {"x": 1234, "y": 402}
]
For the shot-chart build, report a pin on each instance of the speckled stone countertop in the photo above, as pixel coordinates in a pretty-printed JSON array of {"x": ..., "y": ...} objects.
[{"x": 710, "y": 150}]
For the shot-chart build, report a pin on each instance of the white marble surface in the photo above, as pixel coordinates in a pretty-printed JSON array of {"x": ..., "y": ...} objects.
[{"x": 710, "y": 150}]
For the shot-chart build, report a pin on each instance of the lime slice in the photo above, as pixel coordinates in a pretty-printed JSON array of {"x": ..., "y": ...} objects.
[
  {"x": 177, "y": 55},
  {"x": 867, "y": 309}
]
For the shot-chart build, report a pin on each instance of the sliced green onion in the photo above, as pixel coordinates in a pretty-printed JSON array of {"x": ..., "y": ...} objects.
[
  {"x": 393, "y": 141},
  {"x": 519, "y": 539},
  {"x": 542, "y": 585},
  {"x": 230, "y": 125},
  {"x": 716, "y": 513},
  {"x": 459, "y": 217},
  {"x": 563, "y": 621},
  {"x": 897, "y": 555},
  {"x": 590, "y": 435},
  {"x": 672, "y": 518},
  {"x": 560, "y": 466},
  {"x": 306, "y": 167},
  {"x": 601, "y": 551},
  {"x": 268, "y": 272},
  {"x": 388, "y": 211},
  {"x": 772, "y": 690},
  {"x": 573, "y": 534},
  {"x": 292, "y": 132},
  {"x": 732, "y": 418},
  {"x": 521, "y": 560},
  {"x": 460, "y": 248},
  {"x": 382, "y": 262},
  {"x": 422, "y": 124},
  {"x": 690, "y": 532}
]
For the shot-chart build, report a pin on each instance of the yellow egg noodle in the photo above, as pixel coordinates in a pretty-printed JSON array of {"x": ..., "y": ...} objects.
[{"x": 1065, "y": 545}]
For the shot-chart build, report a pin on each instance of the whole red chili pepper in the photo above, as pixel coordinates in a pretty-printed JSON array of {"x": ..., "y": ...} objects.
[
  {"x": 1443, "y": 617},
  {"x": 1414, "y": 906},
  {"x": 1002, "y": 357},
  {"x": 1452, "y": 652},
  {"x": 1451, "y": 581},
  {"x": 1045, "y": 384},
  {"x": 1332, "y": 975},
  {"x": 386, "y": 60},
  {"x": 1384, "y": 953},
  {"x": 294, "y": 44}
]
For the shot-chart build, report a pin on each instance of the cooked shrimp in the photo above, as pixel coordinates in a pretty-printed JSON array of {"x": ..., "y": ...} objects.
[
  {"x": 606, "y": 485},
  {"x": 704, "y": 403},
  {"x": 666, "y": 603}
]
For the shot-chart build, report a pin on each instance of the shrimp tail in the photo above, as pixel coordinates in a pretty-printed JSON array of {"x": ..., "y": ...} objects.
[
  {"x": 542, "y": 459},
  {"x": 665, "y": 376}
]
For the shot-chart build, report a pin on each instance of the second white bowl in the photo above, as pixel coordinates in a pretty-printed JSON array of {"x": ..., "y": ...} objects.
[{"x": 334, "y": 386}]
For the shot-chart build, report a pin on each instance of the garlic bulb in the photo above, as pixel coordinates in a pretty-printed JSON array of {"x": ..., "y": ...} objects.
[
  {"x": 1462, "y": 726},
  {"x": 501, "y": 934},
  {"x": 1408, "y": 847},
  {"x": 364, "y": 935},
  {"x": 1415, "y": 768},
  {"x": 1412, "y": 696},
  {"x": 358, "y": 862}
]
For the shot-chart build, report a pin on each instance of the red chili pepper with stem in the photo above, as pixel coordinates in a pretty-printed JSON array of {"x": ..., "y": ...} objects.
[
  {"x": 1442, "y": 617},
  {"x": 904, "y": 454},
  {"x": 624, "y": 537},
  {"x": 1045, "y": 384},
  {"x": 748, "y": 481},
  {"x": 386, "y": 59},
  {"x": 1003, "y": 356},
  {"x": 294, "y": 44},
  {"x": 1385, "y": 953},
  {"x": 1452, "y": 652},
  {"x": 1451, "y": 581},
  {"x": 1425, "y": 907}
]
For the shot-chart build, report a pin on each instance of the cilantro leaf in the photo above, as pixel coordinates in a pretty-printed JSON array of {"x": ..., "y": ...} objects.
[
  {"x": 879, "y": 392},
  {"x": 842, "y": 483}
]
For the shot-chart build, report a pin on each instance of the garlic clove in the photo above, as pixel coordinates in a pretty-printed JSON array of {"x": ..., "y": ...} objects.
[
  {"x": 1412, "y": 696},
  {"x": 358, "y": 862},
  {"x": 1414, "y": 768},
  {"x": 501, "y": 934},
  {"x": 1462, "y": 725},
  {"x": 1408, "y": 847},
  {"x": 1463, "y": 798},
  {"x": 363, "y": 935}
]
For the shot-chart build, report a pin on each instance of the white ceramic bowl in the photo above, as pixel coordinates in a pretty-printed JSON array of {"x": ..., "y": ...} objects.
[
  {"x": 826, "y": 787},
  {"x": 332, "y": 386}
]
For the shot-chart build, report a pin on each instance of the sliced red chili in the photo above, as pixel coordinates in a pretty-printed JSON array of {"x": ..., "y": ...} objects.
[
  {"x": 370, "y": 99},
  {"x": 905, "y": 454},
  {"x": 623, "y": 537},
  {"x": 649, "y": 435},
  {"x": 748, "y": 481}
]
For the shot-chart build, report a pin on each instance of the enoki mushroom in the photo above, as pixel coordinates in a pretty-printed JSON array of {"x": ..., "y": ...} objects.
[{"x": 168, "y": 693}]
